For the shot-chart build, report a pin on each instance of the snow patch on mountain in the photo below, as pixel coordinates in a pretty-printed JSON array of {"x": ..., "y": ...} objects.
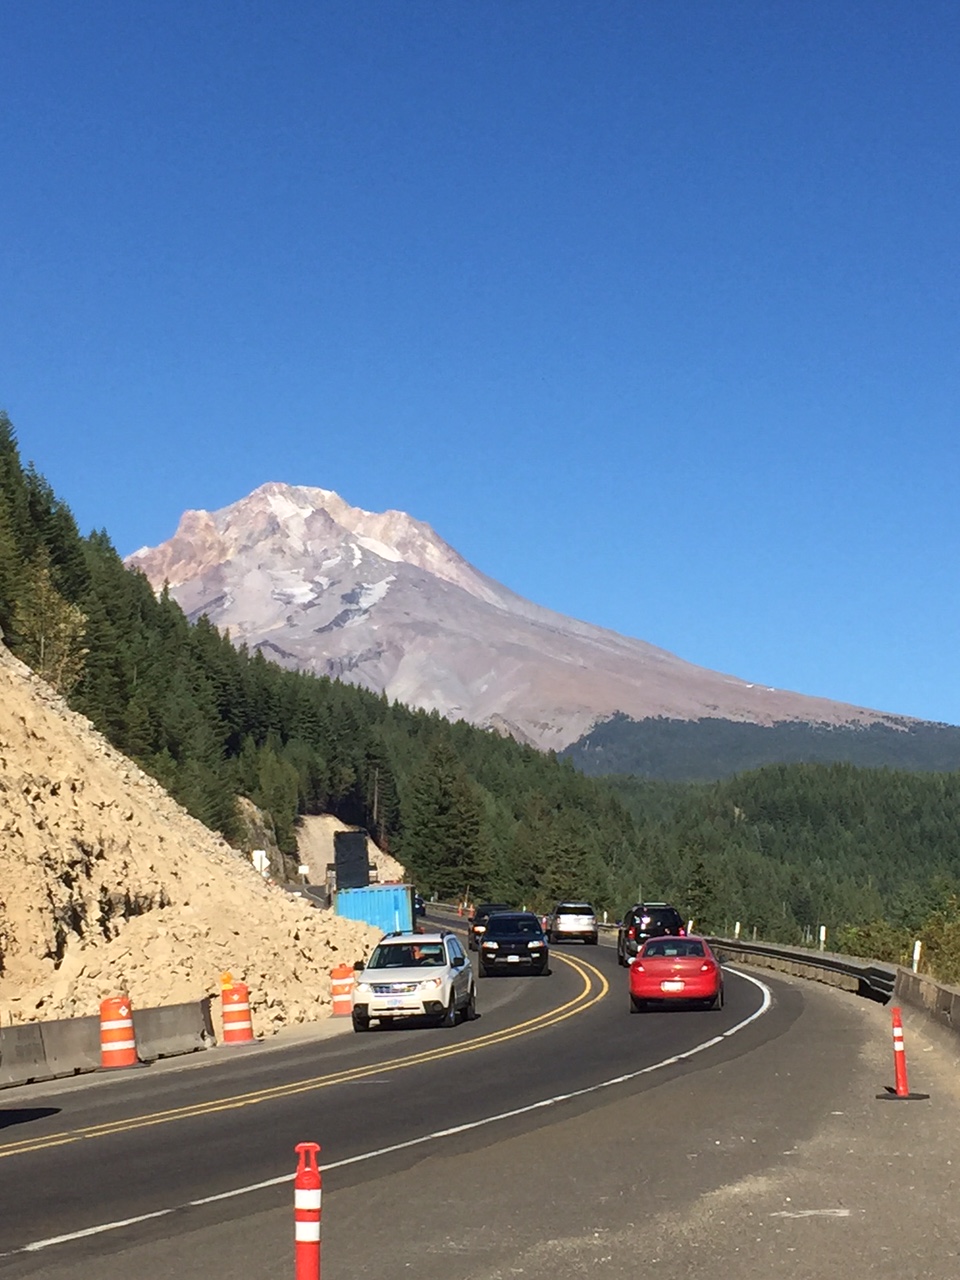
[{"x": 380, "y": 549}]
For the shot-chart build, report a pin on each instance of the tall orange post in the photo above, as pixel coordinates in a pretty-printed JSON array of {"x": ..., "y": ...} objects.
[
  {"x": 307, "y": 1202},
  {"x": 118, "y": 1041},
  {"x": 901, "y": 1090}
]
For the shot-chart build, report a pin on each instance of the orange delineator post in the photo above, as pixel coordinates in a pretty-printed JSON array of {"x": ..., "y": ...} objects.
[
  {"x": 307, "y": 1200},
  {"x": 341, "y": 989},
  {"x": 118, "y": 1041},
  {"x": 901, "y": 1090},
  {"x": 899, "y": 1057},
  {"x": 235, "y": 1011}
]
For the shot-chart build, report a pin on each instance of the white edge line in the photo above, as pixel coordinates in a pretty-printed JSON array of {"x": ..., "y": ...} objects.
[
  {"x": 87, "y": 1231},
  {"x": 427, "y": 1137}
]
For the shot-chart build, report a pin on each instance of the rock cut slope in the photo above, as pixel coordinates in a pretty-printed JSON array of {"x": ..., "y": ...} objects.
[
  {"x": 381, "y": 600},
  {"x": 108, "y": 886}
]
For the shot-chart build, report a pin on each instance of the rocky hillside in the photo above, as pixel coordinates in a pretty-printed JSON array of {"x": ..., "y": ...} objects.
[
  {"x": 382, "y": 601},
  {"x": 108, "y": 886}
]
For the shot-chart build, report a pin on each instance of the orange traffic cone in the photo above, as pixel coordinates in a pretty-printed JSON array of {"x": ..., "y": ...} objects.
[
  {"x": 118, "y": 1041},
  {"x": 341, "y": 987},
  {"x": 235, "y": 1011}
]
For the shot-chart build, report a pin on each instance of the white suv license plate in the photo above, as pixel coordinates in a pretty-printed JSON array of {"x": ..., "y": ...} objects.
[
  {"x": 395, "y": 1002},
  {"x": 671, "y": 986}
]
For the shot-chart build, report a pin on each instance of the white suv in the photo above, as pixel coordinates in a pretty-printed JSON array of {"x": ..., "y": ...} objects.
[
  {"x": 415, "y": 974},
  {"x": 573, "y": 920}
]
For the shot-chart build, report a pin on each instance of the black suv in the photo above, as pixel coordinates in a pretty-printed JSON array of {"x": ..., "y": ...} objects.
[
  {"x": 478, "y": 921},
  {"x": 514, "y": 941},
  {"x": 643, "y": 921}
]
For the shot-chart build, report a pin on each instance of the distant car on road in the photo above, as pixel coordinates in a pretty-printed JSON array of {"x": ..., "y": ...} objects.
[
  {"x": 570, "y": 920},
  {"x": 415, "y": 974},
  {"x": 668, "y": 970},
  {"x": 419, "y": 906},
  {"x": 513, "y": 941},
  {"x": 643, "y": 921},
  {"x": 477, "y": 924}
]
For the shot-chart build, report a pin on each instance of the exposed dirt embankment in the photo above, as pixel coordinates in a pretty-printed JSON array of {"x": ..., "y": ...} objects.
[{"x": 107, "y": 885}]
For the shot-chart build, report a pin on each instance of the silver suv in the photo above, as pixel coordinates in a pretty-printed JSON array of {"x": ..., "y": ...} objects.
[
  {"x": 415, "y": 974},
  {"x": 572, "y": 920}
]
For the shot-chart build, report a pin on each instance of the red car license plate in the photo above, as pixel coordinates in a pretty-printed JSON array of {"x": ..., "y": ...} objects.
[{"x": 672, "y": 985}]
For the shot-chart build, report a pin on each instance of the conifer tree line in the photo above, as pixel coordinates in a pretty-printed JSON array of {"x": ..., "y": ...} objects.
[{"x": 871, "y": 853}]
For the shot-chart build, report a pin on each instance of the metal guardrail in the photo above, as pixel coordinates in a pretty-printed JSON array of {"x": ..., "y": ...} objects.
[{"x": 868, "y": 978}]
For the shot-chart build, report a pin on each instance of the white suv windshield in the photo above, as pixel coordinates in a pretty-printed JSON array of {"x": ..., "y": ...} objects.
[{"x": 407, "y": 955}]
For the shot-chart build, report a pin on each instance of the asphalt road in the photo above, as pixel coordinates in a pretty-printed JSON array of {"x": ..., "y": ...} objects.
[{"x": 662, "y": 1170}]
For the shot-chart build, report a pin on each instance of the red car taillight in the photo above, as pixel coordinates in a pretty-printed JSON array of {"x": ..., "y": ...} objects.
[
  {"x": 707, "y": 967},
  {"x": 681, "y": 933}
]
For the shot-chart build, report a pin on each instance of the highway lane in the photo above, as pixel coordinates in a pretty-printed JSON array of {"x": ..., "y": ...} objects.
[
  {"x": 764, "y": 1155},
  {"x": 121, "y": 1147}
]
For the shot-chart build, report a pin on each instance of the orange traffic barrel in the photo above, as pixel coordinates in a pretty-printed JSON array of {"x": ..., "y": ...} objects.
[
  {"x": 118, "y": 1042},
  {"x": 235, "y": 1011},
  {"x": 341, "y": 986}
]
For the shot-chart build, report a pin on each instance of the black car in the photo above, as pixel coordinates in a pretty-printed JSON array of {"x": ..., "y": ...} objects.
[
  {"x": 478, "y": 921},
  {"x": 647, "y": 920},
  {"x": 513, "y": 941},
  {"x": 419, "y": 906}
]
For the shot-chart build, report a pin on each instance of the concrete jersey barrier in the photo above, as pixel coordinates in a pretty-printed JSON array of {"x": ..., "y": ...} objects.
[{"x": 34, "y": 1051}]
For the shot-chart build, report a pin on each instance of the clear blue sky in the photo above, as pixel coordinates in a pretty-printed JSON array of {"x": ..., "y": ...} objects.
[{"x": 650, "y": 307}]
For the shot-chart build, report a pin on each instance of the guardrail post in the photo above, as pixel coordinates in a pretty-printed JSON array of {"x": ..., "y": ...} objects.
[{"x": 307, "y": 1194}]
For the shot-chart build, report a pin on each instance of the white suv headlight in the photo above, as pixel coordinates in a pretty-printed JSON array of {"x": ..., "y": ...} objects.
[
  {"x": 431, "y": 984},
  {"x": 363, "y": 988}
]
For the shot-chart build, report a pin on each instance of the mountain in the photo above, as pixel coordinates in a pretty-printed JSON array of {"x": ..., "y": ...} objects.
[{"x": 380, "y": 600}]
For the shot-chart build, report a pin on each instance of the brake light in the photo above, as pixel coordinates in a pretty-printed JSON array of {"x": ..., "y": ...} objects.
[
  {"x": 681, "y": 932},
  {"x": 707, "y": 967},
  {"x": 638, "y": 966},
  {"x": 632, "y": 932}
]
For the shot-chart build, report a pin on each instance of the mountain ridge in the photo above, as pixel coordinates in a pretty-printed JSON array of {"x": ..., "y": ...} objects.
[{"x": 381, "y": 600}]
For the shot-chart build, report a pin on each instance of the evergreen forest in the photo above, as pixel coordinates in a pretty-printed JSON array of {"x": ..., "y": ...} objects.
[
  {"x": 710, "y": 748},
  {"x": 873, "y": 854}
]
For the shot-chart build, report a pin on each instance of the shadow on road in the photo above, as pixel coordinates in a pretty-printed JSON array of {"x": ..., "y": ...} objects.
[{"x": 23, "y": 1115}]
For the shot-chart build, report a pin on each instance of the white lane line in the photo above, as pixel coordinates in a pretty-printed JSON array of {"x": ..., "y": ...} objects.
[
  {"x": 811, "y": 1213},
  {"x": 436, "y": 1136},
  {"x": 87, "y": 1231}
]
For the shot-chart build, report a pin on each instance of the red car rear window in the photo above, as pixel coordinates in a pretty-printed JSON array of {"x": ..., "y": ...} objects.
[{"x": 672, "y": 947}]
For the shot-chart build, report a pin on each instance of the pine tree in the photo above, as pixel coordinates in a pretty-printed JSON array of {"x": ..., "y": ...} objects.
[
  {"x": 443, "y": 841},
  {"x": 50, "y": 629}
]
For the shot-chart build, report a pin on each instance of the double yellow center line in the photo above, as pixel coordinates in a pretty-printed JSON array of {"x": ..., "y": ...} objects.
[{"x": 595, "y": 987}]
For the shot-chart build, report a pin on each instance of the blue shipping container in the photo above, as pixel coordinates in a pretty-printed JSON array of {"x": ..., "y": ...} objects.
[{"x": 387, "y": 907}]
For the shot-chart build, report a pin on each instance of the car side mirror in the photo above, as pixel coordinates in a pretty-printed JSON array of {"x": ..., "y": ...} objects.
[
  {"x": 358, "y": 966},
  {"x": 459, "y": 961}
]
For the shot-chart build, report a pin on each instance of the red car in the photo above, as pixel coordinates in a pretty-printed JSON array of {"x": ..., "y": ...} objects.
[{"x": 672, "y": 969}]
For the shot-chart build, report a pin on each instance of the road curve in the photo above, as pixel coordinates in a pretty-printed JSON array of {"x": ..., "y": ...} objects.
[
  {"x": 145, "y": 1142},
  {"x": 760, "y": 1152}
]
